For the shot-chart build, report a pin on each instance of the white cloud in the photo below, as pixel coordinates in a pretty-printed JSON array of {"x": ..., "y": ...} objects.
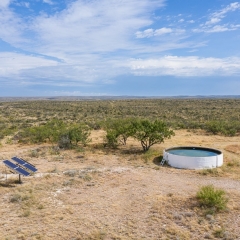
[
  {"x": 214, "y": 25},
  {"x": 162, "y": 31},
  {"x": 230, "y": 8},
  {"x": 158, "y": 32},
  {"x": 185, "y": 66},
  {"x": 145, "y": 33},
  {"x": 95, "y": 38},
  {"x": 217, "y": 16},
  {"x": 13, "y": 63},
  {"x": 86, "y": 26},
  {"x": 218, "y": 28},
  {"x": 151, "y": 32},
  {"x": 213, "y": 21},
  {"x": 12, "y": 26},
  {"x": 4, "y": 3},
  {"x": 48, "y": 2},
  {"x": 27, "y": 4}
]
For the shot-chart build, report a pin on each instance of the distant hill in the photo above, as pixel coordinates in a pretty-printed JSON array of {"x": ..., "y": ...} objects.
[{"x": 95, "y": 98}]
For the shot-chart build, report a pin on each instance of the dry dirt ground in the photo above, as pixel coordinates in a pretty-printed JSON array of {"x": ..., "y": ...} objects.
[{"x": 117, "y": 194}]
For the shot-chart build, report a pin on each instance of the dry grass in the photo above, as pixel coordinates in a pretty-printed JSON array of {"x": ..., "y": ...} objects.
[
  {"x": 233, "y": 148},
  {"x": 122, "y": 194}
]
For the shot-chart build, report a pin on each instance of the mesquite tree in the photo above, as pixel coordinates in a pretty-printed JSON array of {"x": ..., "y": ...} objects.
[{"x": 150, "y": 133}]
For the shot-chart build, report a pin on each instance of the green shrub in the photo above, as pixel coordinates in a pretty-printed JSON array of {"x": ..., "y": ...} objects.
[
  {"x": 210, "y": 171},
  {"x": 227, "y": 128},
  {"x": 212, "y": 198},
  {"x": 111, "y": 139},
  {"x": 150, "y": 155},
  {"x": 64, "y": 142},
  {"x": 34, "y": 153},
  {"x": 118, "y": 131},
  {"x": 79, "y": 133},
  {"x": 151, "y": 132}
]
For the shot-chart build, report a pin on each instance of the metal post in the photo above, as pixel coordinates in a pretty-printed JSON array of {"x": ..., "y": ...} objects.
[{"x": 20, "y": 178}]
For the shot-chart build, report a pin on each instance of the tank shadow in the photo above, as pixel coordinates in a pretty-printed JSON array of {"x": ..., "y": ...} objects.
[{"x": 157, "y": 161}]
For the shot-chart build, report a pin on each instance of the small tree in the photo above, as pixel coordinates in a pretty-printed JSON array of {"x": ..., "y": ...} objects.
[
  {"x": 54, "y": 129},
  {"x": 118, "y": 131},
  {"x": 79, "y": 133},
  {"x": 150, "y": 133},
  {"x": 111, "y": 139},
  {"x": 51, "y": 131},
  {"x": 64, "y": 142}
]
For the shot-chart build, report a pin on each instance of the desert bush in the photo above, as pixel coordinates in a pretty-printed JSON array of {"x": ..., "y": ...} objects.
[
  {"x": 15, "y": 198},
  {"x": 177, "y": 113},
  {"x": 210, "y": 197},
  {"x": 223, "y": 127},
  {"x": 51, "y": 132},
  {"x": 57, "y": 131},
  {"x": 214, "y": 127},
  {"x": 118, "y": 131},
  {"x": 124, "y": 129},
  {"x": 111, "y": 139},
  {"x": 210, "y": 171},
  {"x": 71, "y": 172},
  {"x": 145, "y": 131},
  {"x": 150, "y": 155},
  {"x": 150, "y": 133},
  {"x": 34, "y": 153},
  {"x": 79, "y": 133},
  {"x": 64, "y": 142},
  {"x": 234, "y": 163}
]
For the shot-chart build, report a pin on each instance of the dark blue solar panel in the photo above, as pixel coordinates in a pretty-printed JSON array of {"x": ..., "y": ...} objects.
[
  {"x": 24, "y": 164},
  {"x": 16, "y": 168}
]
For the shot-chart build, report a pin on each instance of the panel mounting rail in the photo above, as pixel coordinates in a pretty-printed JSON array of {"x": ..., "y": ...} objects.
[
  {"x": 16, "y": 168},
  {"x": 25, "y": 164}
]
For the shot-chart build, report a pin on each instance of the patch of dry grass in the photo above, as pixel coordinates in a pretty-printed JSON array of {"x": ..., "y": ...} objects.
[
  {"x": 122, "y": 194},
  {"x": 235, "y": 148}
]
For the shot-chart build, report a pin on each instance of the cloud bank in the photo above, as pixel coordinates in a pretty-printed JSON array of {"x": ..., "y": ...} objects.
[
  {"x": 186, "y": 66},
  {"x": 91, "y": 42}
]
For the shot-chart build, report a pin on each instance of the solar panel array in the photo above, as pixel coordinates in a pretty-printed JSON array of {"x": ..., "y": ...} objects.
[
  {"x": 16, "y": 168},
  {"x": 22, "y": 167},
  {"x": 25, "y": 164}
]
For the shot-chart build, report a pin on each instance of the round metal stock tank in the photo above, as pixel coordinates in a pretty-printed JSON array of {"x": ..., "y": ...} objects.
[{"x": 193, "y": 157}]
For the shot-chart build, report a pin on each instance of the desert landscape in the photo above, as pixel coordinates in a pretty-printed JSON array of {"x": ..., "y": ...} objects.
[
  {"x": 119, "y": 120},
  {"x": 96, "y": 192}
]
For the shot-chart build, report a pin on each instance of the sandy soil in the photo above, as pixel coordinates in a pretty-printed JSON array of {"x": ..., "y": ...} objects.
[{"x": 105, "y": 194}]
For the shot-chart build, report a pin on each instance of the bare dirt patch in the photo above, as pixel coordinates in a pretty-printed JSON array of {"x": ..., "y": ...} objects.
[
  {"x": 233, "y": 148},
  {"x": 122, "y": 194}
]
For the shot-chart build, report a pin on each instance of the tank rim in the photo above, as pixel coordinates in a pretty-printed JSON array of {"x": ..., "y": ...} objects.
[{"x": 194, "y": 147}]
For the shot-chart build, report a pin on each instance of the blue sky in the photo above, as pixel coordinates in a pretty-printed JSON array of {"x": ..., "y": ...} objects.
[{"x": 119, "y": 47}]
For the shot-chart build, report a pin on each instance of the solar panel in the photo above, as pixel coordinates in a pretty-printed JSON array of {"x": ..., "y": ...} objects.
[
  {"x": 16, "y": 168},
  {"x": 25, "y": 164}
]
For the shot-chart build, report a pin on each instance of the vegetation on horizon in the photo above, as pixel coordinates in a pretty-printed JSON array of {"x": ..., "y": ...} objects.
[{"x": 215, "y": 116}]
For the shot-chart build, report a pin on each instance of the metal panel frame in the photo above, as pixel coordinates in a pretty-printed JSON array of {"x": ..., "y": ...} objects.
[
  {"x": 16, "y": 168},
  {"x": 25, "y": 164}
]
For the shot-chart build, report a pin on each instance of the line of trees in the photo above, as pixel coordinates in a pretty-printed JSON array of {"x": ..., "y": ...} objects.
[
  {"x": 118, "y": 131},
  {"x": 57, "y": 131},
  {"x": 145, "y": 131},
  {"x": 222, "y": 127}
]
